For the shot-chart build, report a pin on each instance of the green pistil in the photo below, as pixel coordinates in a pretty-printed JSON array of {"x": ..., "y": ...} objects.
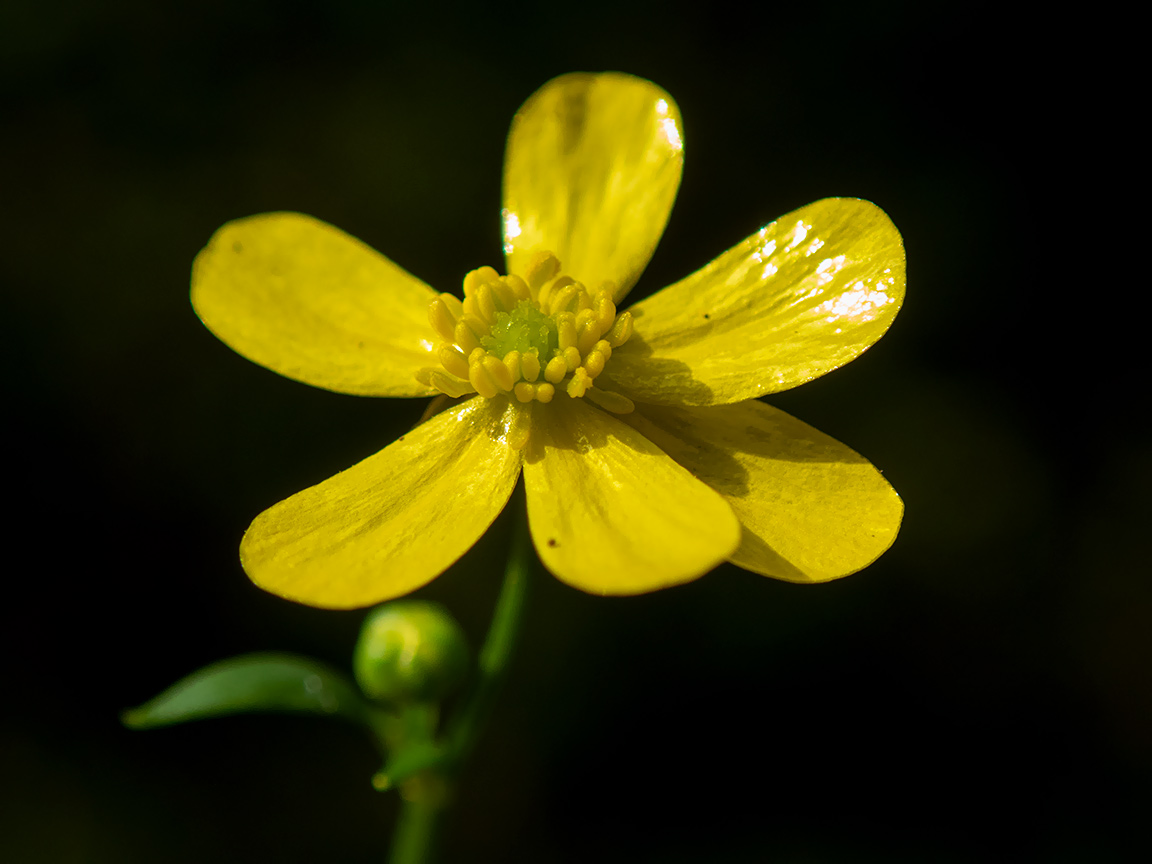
[{"x": 523, "y": 329}]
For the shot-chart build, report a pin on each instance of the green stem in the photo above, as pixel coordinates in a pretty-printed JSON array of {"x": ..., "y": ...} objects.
[
  {"x": 492, "y": 667},
  {"x": 414, "y": 838},
  {"x": 416, "y": 827}
]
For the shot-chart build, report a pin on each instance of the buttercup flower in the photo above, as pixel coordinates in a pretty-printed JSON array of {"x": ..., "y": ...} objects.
[{"x": 647, "y": 458}]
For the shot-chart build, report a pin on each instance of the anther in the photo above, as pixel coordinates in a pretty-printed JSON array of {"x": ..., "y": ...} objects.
[
  {"x": 605, "y": 312},
  {"x": 504, "y": 296},
  {"x": 453, "y": 359},
  {"x": 541, "y": 267},
  {"x": 560, "y": 299},
  {"x": 518, "y": 287},
  {"x": 485, "y": 304},
  {"x": 454, "y": 304},
  {"x": 530, "y": 365},
  {"x": 588, "y": 332},
  {"x": 571, "y": 358},
  {"x": 467, "y": 333},
  {"x": 444, "y": 382},
  {"x": 594, "y": 362},
  {"x": 442, "y": 319},
  {"x": 498, "y": 372},
  {"x": 554, "y": 303},
  {"x": 481, "y": 380},
  {"x": 579, "y": 383},
  {"x": 610, "y": 401},
  {"x": 556, "y": 370},
  {"x": 566, "y": 330},
  {"x": 512, "y": 361},
  {"x": 621, "y": 330},
  {"x": 478, "y": 277}
]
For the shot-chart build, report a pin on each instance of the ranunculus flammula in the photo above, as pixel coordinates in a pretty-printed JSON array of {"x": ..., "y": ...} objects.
[{"x": 646, "y": 455}]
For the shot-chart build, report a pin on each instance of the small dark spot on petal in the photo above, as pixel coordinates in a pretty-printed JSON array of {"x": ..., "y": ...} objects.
[
  {"x": 706, "y": 316},
  {"x": 551, "y": 541},
  {"x": 401, "y": 438},
  {"x": 237, "y": 246},
  {"x": 359, "y": 344}
]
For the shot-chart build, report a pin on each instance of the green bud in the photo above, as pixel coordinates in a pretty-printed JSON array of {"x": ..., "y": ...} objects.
[{"x": 410, "y": 651}]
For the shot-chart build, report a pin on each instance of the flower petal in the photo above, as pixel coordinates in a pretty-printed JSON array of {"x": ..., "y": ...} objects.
[
  {"x": 610, "y": 513},
  {"x": 306, "y": 300},
  {"x": 590, "y": 173},
  {"x": 812, "y": 509},
  {"x": 391, "y": 523},
  {"x": 797, "y": 299}
]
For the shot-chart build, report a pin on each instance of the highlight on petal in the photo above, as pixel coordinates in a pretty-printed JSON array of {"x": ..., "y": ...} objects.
[
  {"x": 812, "y": 509},
  {"x": 304, "y": 299},
  {"x": 393, "y": 522},
  {"x": 592, "y": 167},
  {"x": 799, "y": 298},
  {"x": 612, "y": 514}
]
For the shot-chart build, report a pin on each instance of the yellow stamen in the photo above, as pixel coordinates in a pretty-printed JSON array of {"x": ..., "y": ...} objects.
[
  {"x": 541, "y": 267},
  {"x": 480, "y": 379},
  {"x": 610, "y": 401},
  {"x": 466, "y": 339},
  {"x": 579, "y": 383},
  {"x": 594, "y": 362},
  {"x": 566, "y": 329},
  {"x": 621, "y": 331},
  {"x": 453, "y": 359},
  {"x": 571, "y": 357},
  {"x": 526, "y": 337},
  {"x": 498, "y": 372},
  {"x": 486, "y": 304},
  {"x": 442, "y": 319},
  {"x": 556, "y": 370},
  {"x": 512, "y": 361}
]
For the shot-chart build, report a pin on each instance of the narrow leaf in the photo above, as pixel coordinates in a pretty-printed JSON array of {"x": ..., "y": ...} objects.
[
  {"x": 411, "y": 760},
  {"x": 253, "y": 683}
]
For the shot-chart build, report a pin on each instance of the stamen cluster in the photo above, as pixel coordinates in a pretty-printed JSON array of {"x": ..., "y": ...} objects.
[{"x": 528, "y": 337}]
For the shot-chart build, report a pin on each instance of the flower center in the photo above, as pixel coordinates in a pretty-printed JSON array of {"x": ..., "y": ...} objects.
[{"x": 527, "y": 337}]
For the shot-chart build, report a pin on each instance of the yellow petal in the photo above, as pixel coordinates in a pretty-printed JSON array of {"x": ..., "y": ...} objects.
[
  {"x": 304, "y": 299},
  {"x": 393, "y": 522},
  {"x": 812, "y": 509},
  {"x": 798, "y": 298},
  {"x": 590, "y": 173},
  {"x": 610, "y": 513}
]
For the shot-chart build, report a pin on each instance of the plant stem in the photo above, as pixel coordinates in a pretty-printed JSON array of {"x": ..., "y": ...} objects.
[
  {"x": 414, "y": 837},
  {"x": 492, "y": 667},
  {"x": 416, "y": 827}
]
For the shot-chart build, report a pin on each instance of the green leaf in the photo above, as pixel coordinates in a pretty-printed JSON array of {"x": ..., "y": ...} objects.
[
  {"x": 254, "y": 683},
  {"x": 409, "y": 761}
]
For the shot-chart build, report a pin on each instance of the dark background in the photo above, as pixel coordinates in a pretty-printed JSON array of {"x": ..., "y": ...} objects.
[{"x": 981, "y": 693}]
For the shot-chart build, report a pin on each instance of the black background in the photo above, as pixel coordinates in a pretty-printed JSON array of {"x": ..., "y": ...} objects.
[{"x": 981, "y": 693}]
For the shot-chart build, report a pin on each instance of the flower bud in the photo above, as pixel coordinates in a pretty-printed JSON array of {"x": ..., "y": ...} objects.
[{"x": 410, "y": 651}]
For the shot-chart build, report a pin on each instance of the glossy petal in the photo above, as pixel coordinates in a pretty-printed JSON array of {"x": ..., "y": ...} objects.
[
  {"x": 812, "y": 509},
  {"x": 795, "y": 300},
  {"x": 306, "y": 300},
  {"x": 590, "y": 173},
  {"x": 612, "y": 514},
  {"x": 391, "y": 523}
]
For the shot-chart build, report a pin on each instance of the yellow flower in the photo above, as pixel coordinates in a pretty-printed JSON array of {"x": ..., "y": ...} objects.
[{"x": 647, "y": 458}]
